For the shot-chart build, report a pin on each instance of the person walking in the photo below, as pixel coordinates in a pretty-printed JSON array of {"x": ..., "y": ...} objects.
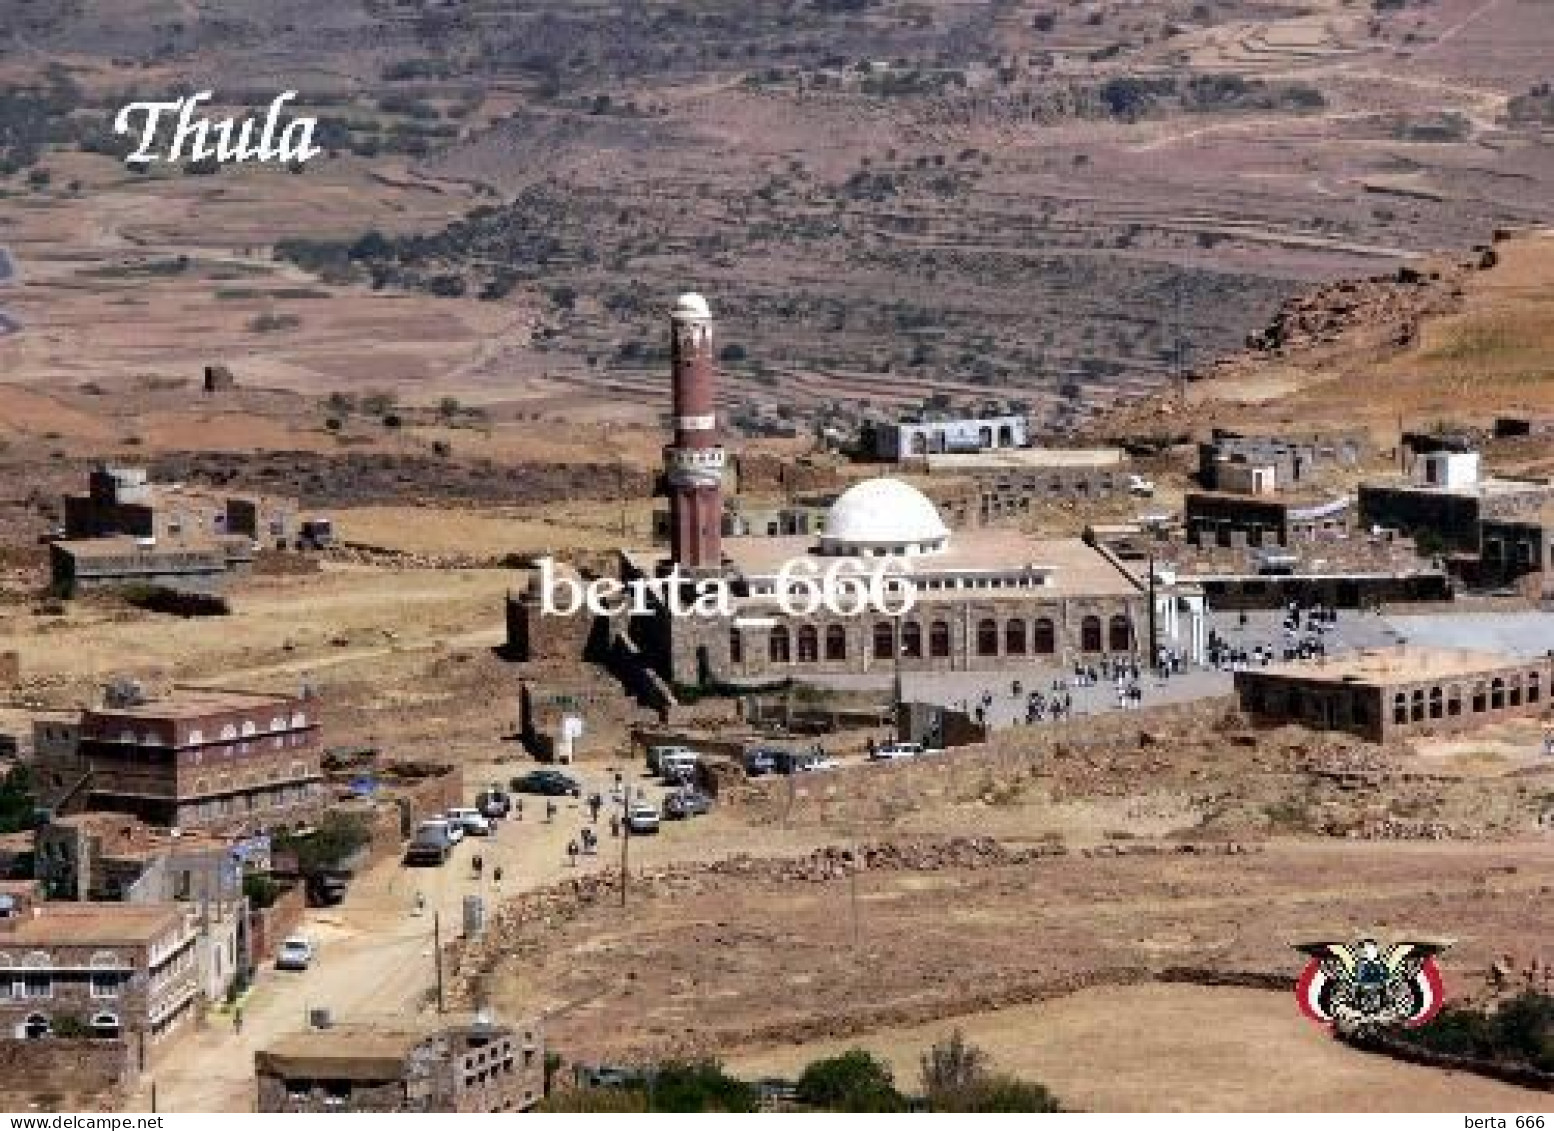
[
  {"x": 237, "y": 1020},
  {"x": 572, "y": 853}
]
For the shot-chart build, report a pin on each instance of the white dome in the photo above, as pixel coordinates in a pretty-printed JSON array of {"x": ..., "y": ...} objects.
[
  {"x": 691, "y": 305},
  {"x": 883, "y": 515}
]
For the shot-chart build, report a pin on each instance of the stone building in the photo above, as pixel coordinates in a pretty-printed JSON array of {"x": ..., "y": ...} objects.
[
  {"x": 1243, "y": 520},
  {"x": 124, "y": 501},
  {"x": 113, "y": 969},
  {"x": 230, "y": 762},
  {"x": 1444, "y": 500},
  {"x": 1008, "y": 483},
  {"x": 1286, "y": 462},
  {"x": 1516, "y": 545},
  {"x": 436, "y": 1064},
  {"x": 194, "y": 565},
  {"x": 1385, "y": 694}
]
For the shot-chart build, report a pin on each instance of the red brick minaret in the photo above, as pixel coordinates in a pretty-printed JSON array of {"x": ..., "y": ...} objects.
[{"x": 693, "y": 464}]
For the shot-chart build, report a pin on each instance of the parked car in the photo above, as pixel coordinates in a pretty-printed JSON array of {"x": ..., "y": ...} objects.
[
  {"x": 431, "y": 844},
  {"x": 326, "y": 889},
  {"x": 679, "y": 766},
  {"x": 641, "y": 819},
  {"x": 470, "y": 821},
  {"x": 656, "y": 754},
  {"x": 296, "y": 953},
  {"x": 550, "y": 783},
  {"x": 895, "y": 751},
  {"x": 760, "y": 761},
  {"x": 686, "y": 803},
  {"x": 815, "y": 763},
  {"x": 494, "y": 802}
]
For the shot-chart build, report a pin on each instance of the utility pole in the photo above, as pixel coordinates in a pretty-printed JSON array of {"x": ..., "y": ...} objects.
[
  {"x": 1154, "y": 644},
  {"x": 437, "y": 956},
  {"x": 625, "y": 842}
]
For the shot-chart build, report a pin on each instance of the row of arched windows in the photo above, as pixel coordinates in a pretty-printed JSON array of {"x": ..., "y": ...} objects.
[
  {"x": 1013, "y": 637},
  {"x": 1437, "y": 702}
]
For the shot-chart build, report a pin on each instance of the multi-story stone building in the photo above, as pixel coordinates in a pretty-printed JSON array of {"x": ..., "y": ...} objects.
[
  {"x": 1516, "y": 545},
  {"x": 1444, "y": 500},
  {"x": 1247, "y": 521},
  {"x": 124, "y": 501},
  {"x": 198, "y": 565},
  {"x": 231, "y": 762},
  {"x": 1385, "y": 694},
  {"x": 114, "y": 970},
  {"x": 442, "y": 1064}
]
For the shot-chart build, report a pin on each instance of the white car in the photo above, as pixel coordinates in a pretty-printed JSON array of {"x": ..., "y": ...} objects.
[
  {"x": 642, "y": 819},
  {"x": 470, "y": 821},
  {"x": 895, "y": 751},
  {"x": 455, "y": 830},
  {"x": 296, "y": 953}
]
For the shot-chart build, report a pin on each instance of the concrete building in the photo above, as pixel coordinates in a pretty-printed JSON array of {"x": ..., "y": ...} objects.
[
  {"x": 229, "y": 762},
  {"x": 1228, "y": 459},
  {"x": 911, "y": 439},
  {"x": 1385, "y": 694},
  {"x": 436, "y": 1064},
  {"x": 114, "y": 969}
]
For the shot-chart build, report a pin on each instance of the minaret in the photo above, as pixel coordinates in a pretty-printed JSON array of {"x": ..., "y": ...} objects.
[{"x": 693, "y": 464}]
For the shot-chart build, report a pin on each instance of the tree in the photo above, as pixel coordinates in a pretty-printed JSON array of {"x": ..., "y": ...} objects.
[
  {"x": 951, "y": 1064},
  {"x": 854, "y": 1081},
  {"x": 448, "y": 408},
  {"x": 338, "y": 837},
  {"x": 995, "y": 1093}
]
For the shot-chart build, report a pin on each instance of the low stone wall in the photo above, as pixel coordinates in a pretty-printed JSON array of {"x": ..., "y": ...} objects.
[
  {"x": 65, "y": 1066},
  {"x": 879, "y": 793}
]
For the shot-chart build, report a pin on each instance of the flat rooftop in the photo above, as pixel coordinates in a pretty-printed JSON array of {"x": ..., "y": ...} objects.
[
  {"x": 1075, "y": 568},
  {"x": 197, "y": 702},
  {"x": 125, "y": 545},
  {"x": 1384, "y": 667},
  {"x": 361, "y": 1051},
  {"x": 85, "y": 924},
  {"x": 1024, "y": 459},
  {"x": 1488, "y": 487}
]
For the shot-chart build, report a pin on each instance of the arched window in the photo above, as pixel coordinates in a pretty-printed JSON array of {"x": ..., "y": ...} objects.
[
  {"x": 278, "y": 722},
  {"x": 736, "y": 646},
  {"x": 228, "y": 732},
  {"x": 1436, "y": 707},
  {"x": 1120, "y": 634},
  {"x": 105, "y": 1026},
  {"x": 195, "y": 738},
  {"x": 1419, "y": 706},
  {"x": 778, "y": 645},
  {"x": 1453, "y": 701},
  {"x": 1514, "y": 692},
  {"x": 884, "y": 641},
  {"x": 1014, "y": 638},
  {"x": 1400, "y": 708},
  {"x": 1534, "y": 688},
  {"x": 987, "y": 638},
  {"x": 836, "y": 642},
  {"x": 939, "y": 639},
  {"x": 1480, "y": 698},
  {"x": 1044, "y": 637},
  {"x": 912, "y": 640},
  {"x": 36, "y": 1026},
  {"x": 809, "y": 644},
  {"x": 1090, "y": 634},
  {"x": 298, "y": 719},
  {"x": 1496, "y": 694},
  {"x": 249, "y": 729}
]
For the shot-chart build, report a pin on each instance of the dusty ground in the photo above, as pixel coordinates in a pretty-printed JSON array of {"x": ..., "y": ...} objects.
[{"x": 1251, "y": 1051}]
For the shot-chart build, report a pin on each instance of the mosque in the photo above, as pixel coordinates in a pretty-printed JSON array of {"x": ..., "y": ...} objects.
[{"x": 986, "y": 599}]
